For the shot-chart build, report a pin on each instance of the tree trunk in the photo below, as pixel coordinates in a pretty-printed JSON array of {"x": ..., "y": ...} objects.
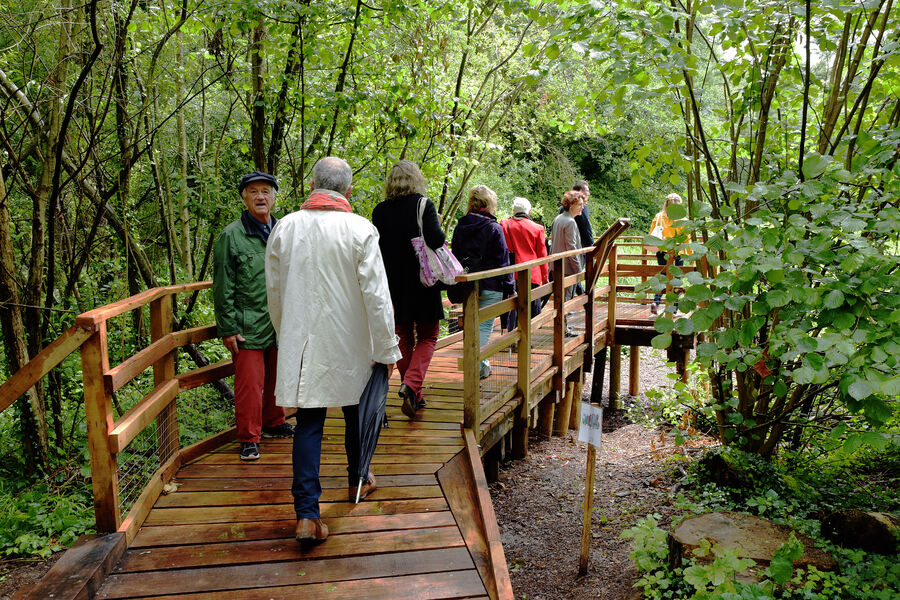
[
  {"x": 257, "y": 99},
  {"x": 185, "y": 230}
]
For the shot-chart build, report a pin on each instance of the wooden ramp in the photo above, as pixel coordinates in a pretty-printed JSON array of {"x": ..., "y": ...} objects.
[{"x": 428, "y": 531}]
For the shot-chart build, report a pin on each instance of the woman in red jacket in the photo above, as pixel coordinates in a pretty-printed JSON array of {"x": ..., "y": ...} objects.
[{"x": 527, "y": 241}]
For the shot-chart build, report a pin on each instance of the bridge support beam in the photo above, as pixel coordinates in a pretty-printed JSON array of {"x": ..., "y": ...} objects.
[
  {"x": 634, "y": 370},
  {"x": 615, "y": 377}
]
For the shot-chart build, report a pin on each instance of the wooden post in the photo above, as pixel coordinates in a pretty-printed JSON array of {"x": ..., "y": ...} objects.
[
  {"x": 599, "y": 374},
  {"x": 519, "y": 446},
  {"x": 575, "y": 413},
  {"x": 615, "y": 377},
  {"x": 611, "y": 301},
  {"x": 163, "y": 371},
  {"x": 545, "y": 416},
  {"x": 634, "y": 370},
  {"x": 99, "y": 415},
  {"x": 471, "y": 358},
  {"x": 589, "y": 312},
  {"x": 561, "y": 419},
  {"x": 559, "y": 326},
  {"x": 585, "y": 555}
]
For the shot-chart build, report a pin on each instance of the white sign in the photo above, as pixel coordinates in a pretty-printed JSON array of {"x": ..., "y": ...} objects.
[{"x": 591, "y": 427}]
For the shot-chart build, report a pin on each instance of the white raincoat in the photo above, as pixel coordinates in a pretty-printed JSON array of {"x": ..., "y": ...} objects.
[{"x": 330, "y": 305}]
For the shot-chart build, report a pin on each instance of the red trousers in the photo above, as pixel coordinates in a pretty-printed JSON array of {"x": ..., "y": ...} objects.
[
  {"x": 254, "y": 392},
  {"x": 417, "y": 342}
]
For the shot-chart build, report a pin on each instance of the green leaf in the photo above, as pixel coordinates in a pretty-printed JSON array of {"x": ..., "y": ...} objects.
[
  {"x": 552, "y": 51},
  {"x": 834, "y": 299},
  {"x": 707, "y": 349},
  {"x": 782, "y": 566},
  {"x": 661, "y": 342},
  {"x": 777, "y": 297},
  {"x": 876, "y": 410},
  {"x": 814, "y": 164},
  {"x": 860, "y": 389},
  {"x": 676, "y": 211},
  {"x": 684, "y": 326},
  {"x": 664, "y": 324}
]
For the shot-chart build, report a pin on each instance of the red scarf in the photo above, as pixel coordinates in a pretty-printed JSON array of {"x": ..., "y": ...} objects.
[{"x": 326, "y": 200}]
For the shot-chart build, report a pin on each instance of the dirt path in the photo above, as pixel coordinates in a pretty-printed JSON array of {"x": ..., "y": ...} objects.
[{"x": 539, "y": 504}]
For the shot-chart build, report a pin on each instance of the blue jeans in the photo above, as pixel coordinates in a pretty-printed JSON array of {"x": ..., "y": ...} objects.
[
  {"x": 307, "y": 456},
  {"x": 486, "y": 297}
]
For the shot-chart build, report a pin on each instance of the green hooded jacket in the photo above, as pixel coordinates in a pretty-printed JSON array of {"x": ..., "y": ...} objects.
[{"x": 239, "y": 285}]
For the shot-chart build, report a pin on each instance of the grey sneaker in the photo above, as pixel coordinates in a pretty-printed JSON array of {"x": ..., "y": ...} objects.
[
  {"x": 249, "y": 451},
  {"x": 279, "y": 431}
]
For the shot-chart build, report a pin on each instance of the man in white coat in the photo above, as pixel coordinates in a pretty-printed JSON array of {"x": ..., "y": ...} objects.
[{"x": 331, "y": 308}]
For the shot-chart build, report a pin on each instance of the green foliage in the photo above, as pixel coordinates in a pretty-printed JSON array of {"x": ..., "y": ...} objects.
[{"x": 41, "y": 520}]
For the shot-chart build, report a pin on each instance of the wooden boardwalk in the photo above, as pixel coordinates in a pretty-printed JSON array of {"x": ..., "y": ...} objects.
[
  {"x": 207, "y": 525},
  {"x": 227, "y": 532}
]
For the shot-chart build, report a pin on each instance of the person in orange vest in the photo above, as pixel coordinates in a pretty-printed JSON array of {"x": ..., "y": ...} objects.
[{"x": 664, "y": 228}]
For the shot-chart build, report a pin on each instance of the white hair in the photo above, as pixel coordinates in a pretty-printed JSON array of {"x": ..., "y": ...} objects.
[{"x": 521, "y": 205}]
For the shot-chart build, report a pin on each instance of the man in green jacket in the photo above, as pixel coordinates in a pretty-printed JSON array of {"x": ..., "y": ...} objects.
[{"x": 242, "y": 315}]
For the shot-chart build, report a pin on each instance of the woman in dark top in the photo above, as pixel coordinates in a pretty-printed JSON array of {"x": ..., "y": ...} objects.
[
  {"x": 417, "y": 309},
  {"x": 478, "y": 235}
]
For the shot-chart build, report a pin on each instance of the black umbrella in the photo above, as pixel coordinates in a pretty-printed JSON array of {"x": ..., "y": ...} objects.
[{"x": 372, "y": 404}]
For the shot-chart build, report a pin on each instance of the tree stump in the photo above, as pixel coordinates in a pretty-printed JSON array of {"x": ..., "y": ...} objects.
[
  {"x": 749, "y": 536},
  {"x": 869, "y": 531}
]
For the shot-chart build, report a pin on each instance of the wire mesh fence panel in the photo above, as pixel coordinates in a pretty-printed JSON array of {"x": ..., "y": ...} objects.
[
  {"x": 139, "y": 461},
  {"x": 202, "y": 412}
]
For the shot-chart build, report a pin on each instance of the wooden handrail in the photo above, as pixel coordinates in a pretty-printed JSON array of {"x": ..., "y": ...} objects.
[
  {"x": 41, "y": 364},
  {"x": 92, "y": 317}
]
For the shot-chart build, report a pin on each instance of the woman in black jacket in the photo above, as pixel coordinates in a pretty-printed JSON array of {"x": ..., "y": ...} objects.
[
  {"x": 417, "y": 309},
  {"x": 478, "y": 238}
]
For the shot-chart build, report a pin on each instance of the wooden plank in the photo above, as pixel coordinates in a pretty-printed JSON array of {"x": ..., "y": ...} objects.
[
  {"x": 261, "y": 551},
  {"x": 426, "y": 586},
  {"x": 141, "y": 414},
  {"x": 41, "y": 364},
  {"x": 195, "y": 335},
  {"x": 247, "y": 481},
  {"x": 203, "y": 375},
  {"x": 492, "y": 311},
  {"x": 559, "y": 326},
  {"x": 94, "y": 317},
  {"x": 208, "y": 533},
  {"x": 248, "y": 497},
  {"x": 128, "y": 369},
  {"x": 161, "y": 317},
  {"x": 500, "y": 586},
  {"x": 81, "y": 570},
  {"x": 202, "y": 468},
  {"x": 229, "y": 514},
  {"x": 459, "y": 488},
  {"x": 381, "y": 457}
]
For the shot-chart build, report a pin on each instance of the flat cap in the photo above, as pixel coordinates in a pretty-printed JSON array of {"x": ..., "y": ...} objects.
[{"x": 256, "y": 176}]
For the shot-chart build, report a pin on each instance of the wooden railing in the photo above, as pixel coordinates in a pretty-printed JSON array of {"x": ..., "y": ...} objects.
[
  {"x": 600, "y": 260},
  {"x": 107, "y": 436}
]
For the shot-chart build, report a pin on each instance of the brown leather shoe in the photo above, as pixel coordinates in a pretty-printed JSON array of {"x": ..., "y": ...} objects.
[
  {"x": 409, "y": 405},
  {"x": 311, "y": 531},
  {"x": 368, "y": 487}
]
